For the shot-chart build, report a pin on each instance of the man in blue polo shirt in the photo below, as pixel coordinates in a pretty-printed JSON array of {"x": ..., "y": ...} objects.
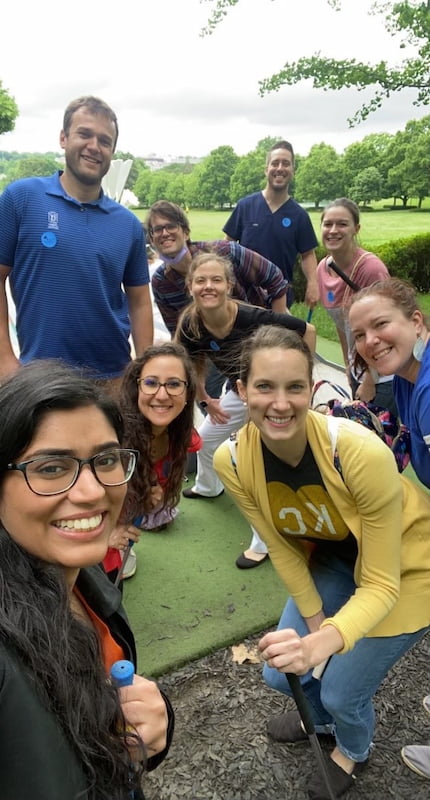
[
  {"x": 75, "y": 259},
  {"x": 273, "y": 224}
]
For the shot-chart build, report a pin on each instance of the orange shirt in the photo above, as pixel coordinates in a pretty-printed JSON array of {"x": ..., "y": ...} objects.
[{"x": 111, "y": 650}]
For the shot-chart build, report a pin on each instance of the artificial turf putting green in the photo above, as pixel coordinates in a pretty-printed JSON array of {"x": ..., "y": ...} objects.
[{"x": 188, "y": 598}]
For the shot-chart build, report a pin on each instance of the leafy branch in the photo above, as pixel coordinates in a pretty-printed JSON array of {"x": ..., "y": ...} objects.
[{"x": 410, "y": 19}]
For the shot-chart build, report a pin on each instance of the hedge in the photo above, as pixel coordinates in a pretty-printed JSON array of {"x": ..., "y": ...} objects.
[{"x": 407, "y": 258}]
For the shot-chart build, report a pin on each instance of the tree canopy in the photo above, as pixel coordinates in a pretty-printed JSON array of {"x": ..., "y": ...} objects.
[
  {"x": 380, "y": 166},
  {"x": 409, "y": 19},
  {"x": 8, "y": 110}
]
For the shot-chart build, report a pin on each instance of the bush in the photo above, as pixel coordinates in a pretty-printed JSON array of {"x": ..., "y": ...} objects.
[{"x": 407, "y": 258}]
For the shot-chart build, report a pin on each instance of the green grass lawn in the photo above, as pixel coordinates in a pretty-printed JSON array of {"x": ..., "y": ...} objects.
[{"x": 376, "y": 226}]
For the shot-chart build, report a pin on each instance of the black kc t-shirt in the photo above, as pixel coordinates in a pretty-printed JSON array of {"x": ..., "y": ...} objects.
[{"x": 302, "y": 508}]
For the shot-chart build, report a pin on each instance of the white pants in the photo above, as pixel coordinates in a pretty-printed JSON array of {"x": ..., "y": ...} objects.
[{"x": 213, "y": 434}]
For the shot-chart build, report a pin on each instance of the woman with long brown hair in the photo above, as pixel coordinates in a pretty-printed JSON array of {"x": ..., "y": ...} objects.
[{"x": 214, "y": 327}]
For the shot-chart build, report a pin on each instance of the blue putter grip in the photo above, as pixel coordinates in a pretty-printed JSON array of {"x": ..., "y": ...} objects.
[
  {"x": 122, "y": 673},
  {"x": 309, "y": 316}
]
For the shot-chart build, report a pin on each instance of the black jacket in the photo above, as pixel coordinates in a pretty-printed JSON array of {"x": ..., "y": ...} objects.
[{"x": 37, "y": 761}]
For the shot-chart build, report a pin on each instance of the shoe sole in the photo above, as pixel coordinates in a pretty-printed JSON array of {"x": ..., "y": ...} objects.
[
  {"x": 412, "y": 766},
  {"x": 426, "y": 706},
  {"x": 196, "y": 496},
  {"x": 130, "y": 574}
]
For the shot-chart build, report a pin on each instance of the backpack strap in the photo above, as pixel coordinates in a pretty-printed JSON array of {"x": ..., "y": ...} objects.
[
  {"x": 333, "y": 429},
  {"x": 232, "y": 447},
  {"x": 330, "y": 263},
  {"x": 335, "y": 386}
]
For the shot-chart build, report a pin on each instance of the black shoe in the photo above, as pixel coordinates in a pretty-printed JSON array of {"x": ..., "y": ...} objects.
[
  {"x": 340, "y": 780},
  {"x": 286, "y": 728},
  {"x": 249, "y": 563},
  {"x": 196, "y": 496}
]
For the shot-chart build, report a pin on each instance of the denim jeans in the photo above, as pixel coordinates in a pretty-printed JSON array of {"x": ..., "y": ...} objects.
[{"x": 341, "y": 701}]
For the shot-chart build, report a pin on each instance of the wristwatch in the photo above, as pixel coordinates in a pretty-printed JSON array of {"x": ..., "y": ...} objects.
[{"x": 203, "y": 404}]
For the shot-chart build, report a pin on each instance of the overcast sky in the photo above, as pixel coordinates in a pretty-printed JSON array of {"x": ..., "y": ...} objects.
[{"x": 176, "y": 93}]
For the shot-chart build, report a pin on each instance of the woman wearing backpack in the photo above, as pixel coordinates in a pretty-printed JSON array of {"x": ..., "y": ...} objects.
[
  {"x": 391, "y": 332},
  {"x": 345, "y": 269},
  {"x": 347, "y": 535}
]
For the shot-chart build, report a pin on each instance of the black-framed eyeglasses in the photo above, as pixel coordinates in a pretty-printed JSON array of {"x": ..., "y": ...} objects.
[
  {"x": 169, "y": 227},
  {"x": 54, "y": 474},
  {"x": 174, "y": 386}
]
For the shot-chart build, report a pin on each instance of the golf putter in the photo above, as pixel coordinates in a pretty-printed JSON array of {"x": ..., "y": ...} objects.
[
  {"x": 308, "y": 724},
  {"x": 126, "y": 554},
  {"x": 122, "y": 673}
]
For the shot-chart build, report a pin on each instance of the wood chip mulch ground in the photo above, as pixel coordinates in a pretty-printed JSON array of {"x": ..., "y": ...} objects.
[{"x": 221, "y": 750}]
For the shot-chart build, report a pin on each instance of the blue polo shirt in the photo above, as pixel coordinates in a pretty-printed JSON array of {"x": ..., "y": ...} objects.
[
  {"x": 69, "y": 264},
  {"x": 278, "y": 236}
]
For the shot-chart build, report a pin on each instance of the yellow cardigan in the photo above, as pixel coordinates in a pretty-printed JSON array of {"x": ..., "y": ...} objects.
[{"x": 388, "y": 515}]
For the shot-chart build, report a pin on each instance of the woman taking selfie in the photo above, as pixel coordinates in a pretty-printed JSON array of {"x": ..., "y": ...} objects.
[
  {"x": 347, "y": 535},
  {"x": 215, "y": 327},
  {"x": 63, "y": 476}
]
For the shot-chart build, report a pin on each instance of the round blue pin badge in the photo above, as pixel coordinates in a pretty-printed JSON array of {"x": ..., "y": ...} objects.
[
  {"x": 214, "y": 345},
  {"x": 286, "y": 222},
  {"x": 48, "y": 239},
  {"x": 330, "y": 296}
]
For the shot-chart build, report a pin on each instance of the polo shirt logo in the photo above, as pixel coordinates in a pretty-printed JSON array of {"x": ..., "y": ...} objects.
[{"x": 53, "y": 220}]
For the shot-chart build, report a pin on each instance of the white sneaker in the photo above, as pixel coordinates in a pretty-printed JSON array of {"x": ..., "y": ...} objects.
[
  {"x": 130, "y": 566},
  {"x": 426, "y": 703},
  {"x": 417, "y": 758}
]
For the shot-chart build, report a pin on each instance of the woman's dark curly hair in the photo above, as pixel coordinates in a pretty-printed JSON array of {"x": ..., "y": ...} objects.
[
  {"x": 138, "y": 433},
  {"x": 59, "y": 652}
]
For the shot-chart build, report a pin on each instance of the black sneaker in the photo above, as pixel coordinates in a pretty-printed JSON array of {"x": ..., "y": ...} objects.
[
  {"x": 287, "y": 728},
  {"x": 340, "y": 780}
]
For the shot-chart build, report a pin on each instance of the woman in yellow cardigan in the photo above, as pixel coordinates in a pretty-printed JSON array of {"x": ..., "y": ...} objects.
[{"x": 347, "y": 534}]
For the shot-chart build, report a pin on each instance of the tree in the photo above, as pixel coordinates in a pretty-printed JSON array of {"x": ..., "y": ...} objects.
[
  {"x": 248, "y": 176},
  {"x": 361, "y": 155},
  {"x": 407, "y": 162},
  {"x": 160, "y": 186},
  {"x": 143, "y": 185},
  {"x": 192, "y": 186},
  {"x": 367, "y": 186},
  {"x": 319, "y": 176},
  {"x": 419, "y": 168},
  {"x": 215, "y": 176},
  {"x": 410, "y": 19},
  {"x": 8, "y": 110},
  {"x": 177, "y": 189},
  {"x": 31, "y": 166}
]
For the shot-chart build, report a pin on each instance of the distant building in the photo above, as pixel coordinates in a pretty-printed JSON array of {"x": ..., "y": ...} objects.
[{"x": 155, "y": 162}]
